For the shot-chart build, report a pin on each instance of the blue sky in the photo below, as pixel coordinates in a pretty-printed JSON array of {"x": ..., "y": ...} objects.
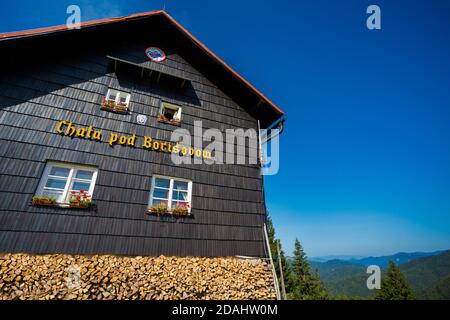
[{"x": 365, "y": 158}]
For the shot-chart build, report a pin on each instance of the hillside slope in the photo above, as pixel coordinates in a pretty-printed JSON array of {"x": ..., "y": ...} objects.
[
  {"x": 343, "y": 278},
  {"x": 439, "y": 291},
  {"x": 429, "y": 277},
  {"x": 428, "y": 272}
]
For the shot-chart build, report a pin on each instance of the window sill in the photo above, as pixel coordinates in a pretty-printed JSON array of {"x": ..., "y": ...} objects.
[
  {"x": 170, "y": 214},
  {"x": 114, "y": 110},
  {"x": 114, "y": 107},
  {"x": 60, "y": 205},
  {"x": 172, "y": 122}
]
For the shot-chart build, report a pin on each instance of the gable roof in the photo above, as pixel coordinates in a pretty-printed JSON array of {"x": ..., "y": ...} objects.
[{"x": 276, "y": 113}]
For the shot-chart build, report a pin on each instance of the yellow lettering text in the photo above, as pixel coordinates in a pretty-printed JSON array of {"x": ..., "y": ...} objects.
[
  {"x": 60, "y": 125},
  {"x": 147, "y": 142},
  {"x": 113, "y": 139},
  {"x": 123, "y": 140},
  {"x": 132, "y": 140}
]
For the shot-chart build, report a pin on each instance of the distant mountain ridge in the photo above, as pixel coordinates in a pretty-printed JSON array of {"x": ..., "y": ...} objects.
[
  {"x": 381, "y": 261},
  {"x": 335, "y": 257},
  {"x": 428, "y": 274},
  {"x": 398, "y": 258}
]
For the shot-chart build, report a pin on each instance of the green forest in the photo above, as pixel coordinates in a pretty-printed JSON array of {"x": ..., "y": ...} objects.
[{"x": 423, "y": 278}]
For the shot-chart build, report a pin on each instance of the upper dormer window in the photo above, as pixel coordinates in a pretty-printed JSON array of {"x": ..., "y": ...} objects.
[
  {"x": 170, "y": 113},
  {"x": 116, "y": 101}
]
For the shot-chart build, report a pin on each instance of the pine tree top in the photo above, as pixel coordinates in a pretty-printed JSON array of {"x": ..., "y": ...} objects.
[{"x": 395, "y": 286}]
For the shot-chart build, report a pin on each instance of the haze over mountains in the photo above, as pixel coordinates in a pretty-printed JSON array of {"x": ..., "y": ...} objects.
[
  {"x": 382, "y": 261},
  {"x": 427, "y": 272}
]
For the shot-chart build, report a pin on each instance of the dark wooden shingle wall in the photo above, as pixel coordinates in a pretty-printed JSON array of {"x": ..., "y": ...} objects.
[{"x": 227, "y": 204}]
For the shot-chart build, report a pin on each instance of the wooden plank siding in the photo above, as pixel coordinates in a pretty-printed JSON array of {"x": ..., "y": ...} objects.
[{"x": 227, "y": 200}]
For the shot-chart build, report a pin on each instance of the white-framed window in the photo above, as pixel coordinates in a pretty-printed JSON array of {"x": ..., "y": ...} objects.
[
  {"x": 170, "y": 112},
  {"x": 118, "y": 96},
  {"x": 60, "y": 179},
  {"x": 171, "y": 192}
]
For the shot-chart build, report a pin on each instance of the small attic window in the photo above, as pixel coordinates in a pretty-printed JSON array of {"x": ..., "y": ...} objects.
[
  {"x": 116, "y": 101},
  {"x": 170, "y": 113}
]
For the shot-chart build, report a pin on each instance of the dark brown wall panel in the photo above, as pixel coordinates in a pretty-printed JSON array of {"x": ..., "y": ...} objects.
[{"x": 227, "y": 204}]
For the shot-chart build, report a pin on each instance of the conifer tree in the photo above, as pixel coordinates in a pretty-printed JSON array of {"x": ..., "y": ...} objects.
[
  {"x": 307, "y": 286},
  {"x": 273, "y": 249},
  {"x": 271, "y": 234},
  {"x": 319, "y": 291},
  {"x": 300, "y": 265},
  {"x": 394, "y": 286}
]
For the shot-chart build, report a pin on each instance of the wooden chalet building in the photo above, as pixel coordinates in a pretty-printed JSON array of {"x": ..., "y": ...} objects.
[{"x": 75, "y": 106}]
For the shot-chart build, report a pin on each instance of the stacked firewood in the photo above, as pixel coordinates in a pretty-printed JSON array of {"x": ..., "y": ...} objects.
[{"x": 78, "y": 277}]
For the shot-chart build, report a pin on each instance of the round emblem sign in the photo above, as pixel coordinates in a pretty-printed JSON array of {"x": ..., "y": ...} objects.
[
  {"x": 155, "y": 54},
  {"x": 141, "y": 119}
]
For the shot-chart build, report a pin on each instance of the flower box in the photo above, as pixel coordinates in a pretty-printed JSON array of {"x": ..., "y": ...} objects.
[
  {"x": 112, "y": 105},
  {"x": 180, "y": 212},
  {"x": 44, "y": 201},
  {"x": 164, "y": 119},
  {"x": 79, "y": 205},
  {"x": 181, "y": 209},
  {"x": 80, "y": 200},
  {"x": 108, "y": 104},
  {"x": 159, "y": 210},
  {"x": 121, "y": 108}
]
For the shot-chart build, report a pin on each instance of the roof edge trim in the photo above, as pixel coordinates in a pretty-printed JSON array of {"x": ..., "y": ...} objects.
[{"x": 42, "y": 31}]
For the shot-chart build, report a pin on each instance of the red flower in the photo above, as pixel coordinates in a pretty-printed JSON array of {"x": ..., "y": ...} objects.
[
  {"x": 72, "y": 192},
  {"x": 81, "y": 191},
  {"x": 78, "y": 197},
  {"x": 85, "y": 196},
  {"x": 183, "y": 205}
]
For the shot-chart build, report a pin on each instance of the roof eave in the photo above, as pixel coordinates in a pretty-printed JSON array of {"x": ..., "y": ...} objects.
[{"x": 190, "y": 36}]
